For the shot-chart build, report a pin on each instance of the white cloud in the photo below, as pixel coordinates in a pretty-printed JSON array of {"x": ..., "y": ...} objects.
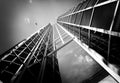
[
  {"x": 88, "y": 59},
  {"x": 113, "y": 67},
  {"x": 80, "y": 59}
]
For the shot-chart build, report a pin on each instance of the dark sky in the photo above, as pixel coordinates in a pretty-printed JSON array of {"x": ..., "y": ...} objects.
[{"x": 18, "y": 18}]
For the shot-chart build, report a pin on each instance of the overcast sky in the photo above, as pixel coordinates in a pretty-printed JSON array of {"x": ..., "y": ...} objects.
[{"x": 18, "y": 18}]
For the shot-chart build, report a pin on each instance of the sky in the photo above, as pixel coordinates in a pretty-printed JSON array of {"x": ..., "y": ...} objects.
[{"x": 18, "y": 18}]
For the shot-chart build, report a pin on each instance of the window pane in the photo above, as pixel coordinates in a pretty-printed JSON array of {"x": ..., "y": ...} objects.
[
  {"x": 84, "y": 35},
  {"x": 76, "y": 31},
  {"x": 116, "y": 26},
  {"x": 84, "y": 5},
  {"x": 86, "y": 17},
  {"x": 78, "y": 7},
  {"x": 78, "y": 18},
  {"x": 69, "y": 18},
  {"x": 66, "y": 19},
  {"x": 71, "y": 28},
  {"x": 115, "y": 50},
  {"x": 99, "y": 42},
  {"x": 100, "y": 1},
  {"x": 103, "y": 15},
  {"x": 73, "y": 18},
  {"x": 91, "y": 3}
]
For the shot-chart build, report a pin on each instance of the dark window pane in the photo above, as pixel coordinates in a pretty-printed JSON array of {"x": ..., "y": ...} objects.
[
  {"x": 100, "y": 1},
  {"x": 99, "y": 42},
  {"x": 28, "y": 41},
  {"x": 84, "y": 35},
  {"x": 27, "y": 51},
  {"x": 103, "y": 15},
  {"x": 91, "y": 3},
  {"x": 84, "y": 5},
  {"x": 86, "y": 17},
  {"x": 10, "y": 58},
  {"x": 13, "y": 68},
  {"x": 21, "y": 48},
  {"x": 31, "y": 45},
  {"x": 115, "y": 50},
  {"x": 78, "y": 18},
  {"x": 6, "y": 77},
  {"x": 23, "y": 55},
  {"x": 18, "y": 61},
  {"x": 35, "y": 40},
  {"x": 3, "y": 65},
  {"x": 78, "y": 7},
  {"x": 116, "y": 26}
]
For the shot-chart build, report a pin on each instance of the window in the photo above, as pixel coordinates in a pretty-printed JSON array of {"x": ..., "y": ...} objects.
[
  {"x": 78, "y": 18},
  {"x": 73, "y": 18},
  {"x": 115, "y": 50},
  {"x": 76, "y": 31},
  {"x": 99, "y": 42},
  {"x": 103, "y": 15},
  {"x": 69, "y": 19},
  {"x": 84, "y": 35},
  {"x": 71, "y": 29},
  {"x": 100, "y": 1},
  {"x": 84, "y": 5},
  {"x": 91, "y": 3},
  {"x": 86, "y": 17},
  {"x": 116, "y": 26},
  {"x": 78, "y": 7}
]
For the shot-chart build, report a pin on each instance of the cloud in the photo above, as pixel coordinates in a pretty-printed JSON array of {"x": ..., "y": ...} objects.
[
  {"x": 88, "y": 59},
  {"x": 114, "y": 68},
  {"x": 83, "y": 59}
]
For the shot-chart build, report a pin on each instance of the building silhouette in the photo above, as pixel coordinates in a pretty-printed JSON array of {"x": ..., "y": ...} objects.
[
  {"x": 94, "y": 24},
  {"x": 28, "y": 61}
]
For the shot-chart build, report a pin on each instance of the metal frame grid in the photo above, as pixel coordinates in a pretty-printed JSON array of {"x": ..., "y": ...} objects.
[
  {"x": 100, "y": 39},
  {"x": 28, "y": 61}
]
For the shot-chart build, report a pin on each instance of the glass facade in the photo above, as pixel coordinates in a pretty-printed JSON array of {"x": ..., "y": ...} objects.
[
  {"x": 28, "y": 60},
  {"x": 96, "y": 24}
]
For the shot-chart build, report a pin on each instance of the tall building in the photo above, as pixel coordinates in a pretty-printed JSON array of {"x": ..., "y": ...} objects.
[
  {"x": 28, "y": 61},
  {"x": 96, "y": 24}
]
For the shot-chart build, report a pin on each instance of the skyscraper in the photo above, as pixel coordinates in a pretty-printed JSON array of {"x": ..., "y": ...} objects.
[
  {"x": 28, "y": 61},
  {"x": 96, "y": 24}
]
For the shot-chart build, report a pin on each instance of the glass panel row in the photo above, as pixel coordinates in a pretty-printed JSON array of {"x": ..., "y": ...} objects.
[
  {"x": 106, "y": 45},
  {"x": 94, "y": 17}
]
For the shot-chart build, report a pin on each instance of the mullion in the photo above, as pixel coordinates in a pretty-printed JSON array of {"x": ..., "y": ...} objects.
[
  {"x": 26, "y": 64},
  {"x": 13, "y": 60},
  {"x": 90, "y": 7}
]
